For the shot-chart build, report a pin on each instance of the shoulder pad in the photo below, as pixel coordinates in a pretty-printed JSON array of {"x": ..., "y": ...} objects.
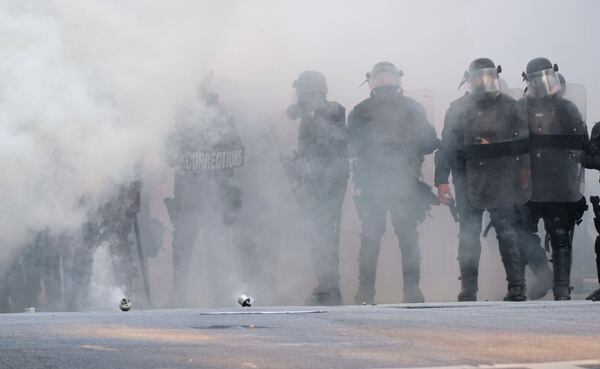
[
  {"x": 335, "y": 108},
  {"x": 596, "y": 131}
]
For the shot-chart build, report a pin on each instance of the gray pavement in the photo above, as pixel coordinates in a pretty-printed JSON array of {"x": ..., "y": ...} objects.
[{"x": 387, "y": 336}]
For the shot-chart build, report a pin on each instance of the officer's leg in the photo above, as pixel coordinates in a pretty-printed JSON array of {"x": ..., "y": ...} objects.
[
  {"x": 4, "y": 295},
  {"x": 184, "y": 238},
  {"x": 14, "y": 280},
  {"x": 534, "y": 254},
  {"x": 373, "y": 220},
  {"x": 51, "y": 275},
  {"x": 505, "y": 224},
  {"x": 83, "y": 261},
  {"x": 469, "y": 250},
  {"x": 121, "y": 254},
  {"x": 595, "y": 296},
  {"x": 33, "y": 262},
  {"x": 216, "y": 240},
  {"x": 558, "y": 226},
  {"x": 405, "y": 225},
  {"x": 323, "y": 230}
]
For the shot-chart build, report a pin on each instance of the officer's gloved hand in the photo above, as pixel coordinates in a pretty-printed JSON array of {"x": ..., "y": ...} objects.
[
  {"x": 445, "y": 194},
  {"x": 590, "y": 162}
]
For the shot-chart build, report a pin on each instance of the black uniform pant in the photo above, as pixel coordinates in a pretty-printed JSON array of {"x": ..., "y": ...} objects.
[
  {"x": 323, "y": 215},
  {"x": 407, "y": 210},
  {"x": 202, "y": 218},
  {"x": 469, "y": 242},
  {"x": 559, "y": 223},
  {"x": 506, "y": 224}
]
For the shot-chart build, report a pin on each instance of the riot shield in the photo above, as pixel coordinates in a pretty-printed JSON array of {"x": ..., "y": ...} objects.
[
  {"x": 577, "y": 94},
  {"x": 496, "y": 139},
  {"x": 558, "y": 137}
]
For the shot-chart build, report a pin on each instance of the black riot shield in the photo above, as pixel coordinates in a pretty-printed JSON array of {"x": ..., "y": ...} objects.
[
  {"x": 558, "y": 137},
  {"x": 496, "y": 152}
]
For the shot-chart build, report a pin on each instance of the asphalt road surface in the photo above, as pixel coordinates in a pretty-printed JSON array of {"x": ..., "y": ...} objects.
[{"x": 487, "y": 335}]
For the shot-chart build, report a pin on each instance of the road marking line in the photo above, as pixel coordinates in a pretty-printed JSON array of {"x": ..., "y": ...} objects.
[
  {"x": 97, "y": 348},
  {"x": 583, "y": 364}
]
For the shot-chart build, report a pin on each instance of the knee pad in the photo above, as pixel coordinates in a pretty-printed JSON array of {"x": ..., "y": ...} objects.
[{"x": 560, "y": 237}]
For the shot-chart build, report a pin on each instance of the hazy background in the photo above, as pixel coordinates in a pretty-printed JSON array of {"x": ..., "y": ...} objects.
[{"x": 86, "y": 88}]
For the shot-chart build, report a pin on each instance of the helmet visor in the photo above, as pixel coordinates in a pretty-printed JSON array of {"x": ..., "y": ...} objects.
[
  {"x": 384, "y": 76},
  {"x": 543, "y": 83},
  {"x": 484, "y": 80}
]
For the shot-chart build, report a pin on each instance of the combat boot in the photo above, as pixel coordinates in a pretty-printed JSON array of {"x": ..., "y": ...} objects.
[
  {"x": 515, "y": 271},
  {"x": 413, "y": 294},
  {"x": 365, "y": 294},
  {"x": 516, "y": 293},
  {"x": 469, "y": 288},
  {"x": 412, "y": 291},
  {"x": 325, "y": 297},
  {"x": 594, "y": 296}
]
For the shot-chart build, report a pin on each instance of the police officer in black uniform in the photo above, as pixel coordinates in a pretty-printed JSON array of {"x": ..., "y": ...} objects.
[
  {"x": 485, "y": 147},
  {"x": 592, "y": 161},
  {"x": 389, "y": 135},
  {"x": 110, "y": 222},
  {"x": 558, "y": 140},
  {"x": 323, "y": 147},
  {"x": 204, "y": 148}
]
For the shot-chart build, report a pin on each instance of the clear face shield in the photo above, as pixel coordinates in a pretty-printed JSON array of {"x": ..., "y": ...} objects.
[
  {"x": 484, "y": 80},
  {"x": 384, "y": 76},
  {"x": 543, "y": 83}
]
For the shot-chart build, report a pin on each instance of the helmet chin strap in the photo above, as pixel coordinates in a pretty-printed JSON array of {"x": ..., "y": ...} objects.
[{"x": 464, "y": 80}]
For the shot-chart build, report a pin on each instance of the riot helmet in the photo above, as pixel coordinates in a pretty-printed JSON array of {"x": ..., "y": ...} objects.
[
  {"x": 542, "y": 78},
  {"x": 563, "y": 83},
  {"x": 482, "y": 76},
  {"x": 311, "y": 89},
  {"x": 206, "y": 89},
  {"x": 384, "y": 74}
]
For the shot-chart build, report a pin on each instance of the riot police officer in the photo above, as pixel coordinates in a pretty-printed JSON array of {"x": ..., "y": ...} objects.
[
  {"x": 204, "y": 148},
  {"x": 485, "y": 147},
  {"x": 558, "y": 139},
  {"x": 389, "y": 135},
  {"x": 110, "y": 222},
  {"x": 322, "y": 145},
  {"x": 592, "y": 161}
]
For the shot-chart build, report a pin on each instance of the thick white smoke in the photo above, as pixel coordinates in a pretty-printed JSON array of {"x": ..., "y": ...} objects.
[{"x": 88, "y": 88}]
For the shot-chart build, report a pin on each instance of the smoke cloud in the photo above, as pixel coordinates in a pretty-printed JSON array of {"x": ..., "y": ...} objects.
[{"x": 89, "y": 89}]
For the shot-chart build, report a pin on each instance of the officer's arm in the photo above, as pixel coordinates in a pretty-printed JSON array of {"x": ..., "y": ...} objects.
[
  {"x": 591, "y": 157},
  {"x": 233, "y": 131},
  {"x": 448, "y": 150},
  {"x": 428, "y": 140},
  {"x": 591, "y": 151},
  {"x": 356, "y": 132},
  {"x": 340, "y": 132}
]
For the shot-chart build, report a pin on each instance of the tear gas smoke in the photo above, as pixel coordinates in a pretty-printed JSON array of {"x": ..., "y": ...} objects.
[{"x": 88, "y": 89}]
